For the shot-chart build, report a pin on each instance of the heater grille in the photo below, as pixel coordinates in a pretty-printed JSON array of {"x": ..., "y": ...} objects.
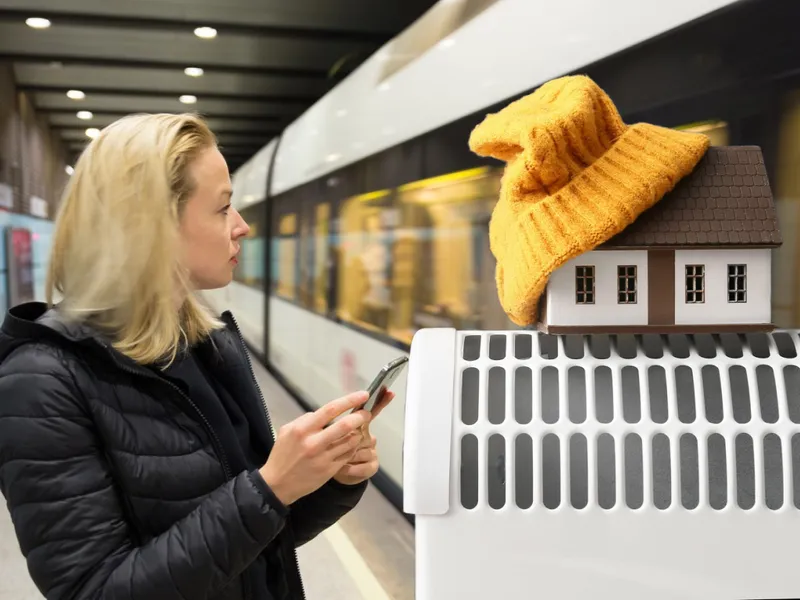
[
  {"x": 604, "y": 422},
  {"x": 625, "y": 467}
]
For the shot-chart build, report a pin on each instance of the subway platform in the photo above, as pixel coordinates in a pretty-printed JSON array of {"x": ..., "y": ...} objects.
[{"x": 368, "y": 555}]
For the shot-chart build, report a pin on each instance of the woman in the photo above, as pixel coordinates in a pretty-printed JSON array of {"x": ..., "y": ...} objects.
[{"x": 136, "y": 454}]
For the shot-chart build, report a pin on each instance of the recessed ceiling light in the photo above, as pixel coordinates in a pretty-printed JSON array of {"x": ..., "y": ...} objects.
[
  {"x": 85, "y": 114},
  {"x": 207, "y": 33},
  {"x": 38, "y": 23},
  {"x": 69, "y": 169},
  {"x": 342, "y": 112},
  {"x": 188, "y": 99},
  {"x": 333, "y": 157},
  {"x": 447, "y": 43},
  {"x": 76, "y": 95},
  {"x": 194, "y": 71},
  {"x": 92, "y": 132},
  {"x": 384, "y": 87}
]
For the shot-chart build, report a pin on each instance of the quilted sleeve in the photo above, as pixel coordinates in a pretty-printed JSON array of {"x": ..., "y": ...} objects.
[
  {"x": 68, "y": 518},
  {"x": 314, "y": 513}
]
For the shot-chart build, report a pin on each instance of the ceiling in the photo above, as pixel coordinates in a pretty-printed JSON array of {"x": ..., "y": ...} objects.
[{"x": 270, "y": 59}]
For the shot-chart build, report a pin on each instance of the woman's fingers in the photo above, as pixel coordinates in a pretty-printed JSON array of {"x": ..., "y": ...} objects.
[
  {"x": 382, "y": 403},
  {"x": 362, "y": 456},
  {"x": 345, "y": 450},
  {"x": 362, "y": 470},
  {"x": 321, "y": 417},
  {"x": 342, "y": 428}
]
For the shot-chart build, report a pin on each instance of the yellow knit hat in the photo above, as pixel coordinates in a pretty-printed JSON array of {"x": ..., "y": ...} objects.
[{"x": 576, "y": 175}]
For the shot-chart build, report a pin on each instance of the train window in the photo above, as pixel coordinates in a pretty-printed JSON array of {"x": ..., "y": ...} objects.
[
  {"x": 251, "y": 258},
  {"x": 366, "y": 236},
  {"x": 415, "y": 257},
  {"x": 285, "y": 257},
  {"x": 717, "y": 131},
  {"x": 442, "y": 266}
]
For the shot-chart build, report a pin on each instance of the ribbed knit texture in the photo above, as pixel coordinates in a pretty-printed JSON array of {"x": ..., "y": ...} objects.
[{"x": 576, "y": 175}]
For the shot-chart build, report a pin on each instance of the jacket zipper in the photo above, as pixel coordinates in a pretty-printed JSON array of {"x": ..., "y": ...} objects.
[
  {"x": 252, "y": 374},
  {"x": 272, "y": 437}
]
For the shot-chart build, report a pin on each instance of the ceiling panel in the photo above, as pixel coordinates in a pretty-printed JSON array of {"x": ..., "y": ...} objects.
[
  {"x": 68, "y": 76},
  {"x": 225, "y": 139},
  {"x": 351, "y": 15},
  {"x": 271, "y": 59},
  {"x": 61, "y": 121},
  {"x": 102, "y": 102},
  {"x": 144, "y": 44},
  {"x": 232, "y": 152}
]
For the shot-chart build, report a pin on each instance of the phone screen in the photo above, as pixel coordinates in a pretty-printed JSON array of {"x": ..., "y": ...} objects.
[{"x": 383, "y": 381}]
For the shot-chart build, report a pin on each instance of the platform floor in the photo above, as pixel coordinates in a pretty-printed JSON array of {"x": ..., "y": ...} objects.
[{"x": 368, "y": 555}]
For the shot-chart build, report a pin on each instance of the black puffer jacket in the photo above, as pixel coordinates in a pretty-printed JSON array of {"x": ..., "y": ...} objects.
[{"x": 118, "y": 487}]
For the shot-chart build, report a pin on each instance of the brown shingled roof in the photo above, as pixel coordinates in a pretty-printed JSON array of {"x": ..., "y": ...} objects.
[{"x": 726, "y": 201}]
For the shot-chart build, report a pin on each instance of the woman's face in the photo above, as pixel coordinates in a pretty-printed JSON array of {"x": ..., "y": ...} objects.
[{"x": 210, "y": 227}]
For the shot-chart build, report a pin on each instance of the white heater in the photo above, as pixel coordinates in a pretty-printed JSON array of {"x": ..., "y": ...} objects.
[{"x": 604, "y": 467}]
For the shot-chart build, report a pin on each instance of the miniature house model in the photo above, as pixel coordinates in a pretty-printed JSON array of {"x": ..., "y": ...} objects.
[{"x": 698, "y": 261}]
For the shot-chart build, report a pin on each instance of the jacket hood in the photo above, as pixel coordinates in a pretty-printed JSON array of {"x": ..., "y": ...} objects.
[{"x": 36, "y": 322}]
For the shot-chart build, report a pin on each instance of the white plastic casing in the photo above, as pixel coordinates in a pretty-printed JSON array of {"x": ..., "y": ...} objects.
[
  {"x": 667, "y": 466},
  {"x": 430, "y": 381}
]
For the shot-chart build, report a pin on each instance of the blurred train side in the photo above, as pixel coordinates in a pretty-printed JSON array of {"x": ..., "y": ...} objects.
[{"x": 369, "y": 215}]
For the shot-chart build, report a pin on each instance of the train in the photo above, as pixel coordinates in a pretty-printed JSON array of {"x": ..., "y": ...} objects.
[{"x": 369, "y": 215}]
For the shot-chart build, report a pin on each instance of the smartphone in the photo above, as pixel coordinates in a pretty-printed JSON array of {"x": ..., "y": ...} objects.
[{"x": 383, "y": 381}]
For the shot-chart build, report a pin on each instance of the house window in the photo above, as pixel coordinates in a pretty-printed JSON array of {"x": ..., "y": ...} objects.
[
  {"x": 695, "y": 284},
  {"x": 737, "y": 283},
  {"x": 626, "y": 284},
  {"x": 584, "y": 285}
]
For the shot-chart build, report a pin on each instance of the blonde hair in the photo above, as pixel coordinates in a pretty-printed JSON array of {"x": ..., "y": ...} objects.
[{"x": 115, "y": 255}]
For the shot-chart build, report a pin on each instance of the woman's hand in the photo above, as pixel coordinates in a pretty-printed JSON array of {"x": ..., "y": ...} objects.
[
  {"x": 307, "y": 453},
  {"x": 364, "y": 463}
]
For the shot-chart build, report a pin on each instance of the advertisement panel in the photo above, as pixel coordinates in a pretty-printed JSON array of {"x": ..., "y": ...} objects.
[{"x": 19, "y": 255}]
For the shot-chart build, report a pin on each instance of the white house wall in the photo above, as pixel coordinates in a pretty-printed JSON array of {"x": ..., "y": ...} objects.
[
  {"x": 562, "y": 309},
  {"x": 716, "y": 308}
]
